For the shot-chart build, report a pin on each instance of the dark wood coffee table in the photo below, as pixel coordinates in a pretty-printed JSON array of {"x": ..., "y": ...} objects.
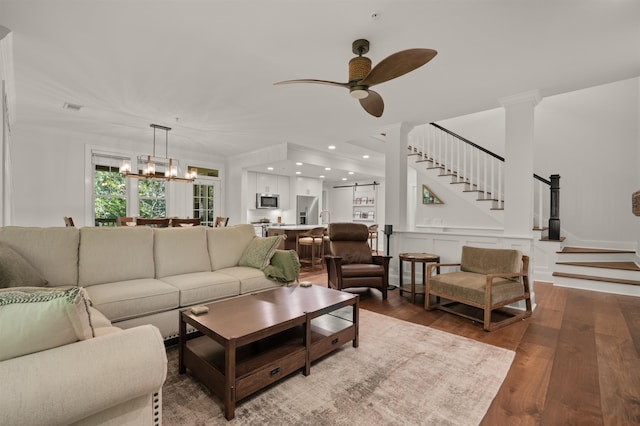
[{"x": 251, "y": 341}]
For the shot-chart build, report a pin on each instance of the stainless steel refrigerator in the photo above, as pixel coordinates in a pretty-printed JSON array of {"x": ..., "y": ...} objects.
[{"x": 306, "y": 210}]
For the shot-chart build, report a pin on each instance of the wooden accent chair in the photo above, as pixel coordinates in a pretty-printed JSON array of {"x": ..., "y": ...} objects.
[
  {"x": 351, "y": 263},
  {"x": 68, "y": 221},
  {"x": 313, "y": 239},
  {"x": 176, "y": 222},
  {"x": 488, "y": 279},
  {"x": 221, "y": 221},
  {"x": 156, "y": 222}
]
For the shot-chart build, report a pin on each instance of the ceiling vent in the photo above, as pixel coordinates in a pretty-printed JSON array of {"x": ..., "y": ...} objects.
[{"x": 72, "y": 107}]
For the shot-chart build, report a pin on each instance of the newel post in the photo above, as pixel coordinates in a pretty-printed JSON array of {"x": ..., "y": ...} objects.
[{"x": 554, "y": 215}]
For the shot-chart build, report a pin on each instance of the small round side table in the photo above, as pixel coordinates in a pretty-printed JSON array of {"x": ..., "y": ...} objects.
[{"x": 414, "y": 258}]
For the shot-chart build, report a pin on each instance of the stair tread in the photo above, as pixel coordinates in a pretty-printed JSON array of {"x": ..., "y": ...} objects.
[
  {"x": 594, "y": 278},
  {"x": 547, "y": 239},
  {"x": 592, "y": 250},
  {"x": 625, "y": 266}
]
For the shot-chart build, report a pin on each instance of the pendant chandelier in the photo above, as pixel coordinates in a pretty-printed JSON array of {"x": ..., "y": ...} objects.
[{"x": 150, "y": 166}]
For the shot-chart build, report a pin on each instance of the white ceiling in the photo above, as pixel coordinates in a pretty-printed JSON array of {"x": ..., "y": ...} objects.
[{"x": 212, "y": 64}]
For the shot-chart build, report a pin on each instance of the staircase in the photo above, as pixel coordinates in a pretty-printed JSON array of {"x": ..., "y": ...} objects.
[
  {"x": 479, "y": 174},
  {"x": 608, "y": 270}
]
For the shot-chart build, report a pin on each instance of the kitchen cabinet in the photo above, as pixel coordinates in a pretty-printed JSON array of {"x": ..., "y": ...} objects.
[
  {"x": 270, "y": 184},
  {"x": 308, "y": 186}
]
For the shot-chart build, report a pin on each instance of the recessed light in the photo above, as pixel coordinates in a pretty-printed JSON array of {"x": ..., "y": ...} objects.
[
  {"x": 298, "y": 164},
  {"x": 269, "y": 168},
  {"x": 298, "y": 173},
  {"x": 331, "y": 147},
  {"x": 350, "y": 173},
  {"x": 365, "y": 156},
  {"x": 327, "y": 168},
  {"x": 321, "y": 176},
  {"x": 344, "y": 178}
]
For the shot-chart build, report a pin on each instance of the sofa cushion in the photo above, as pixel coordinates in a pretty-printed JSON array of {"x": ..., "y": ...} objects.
[
  {"x": 490, "y": 261},
  {"x": 226, "y": 245},
  {"x": 115, "y": 254},
  {"x": 133, "y": 298},
  {"x": 251, "y": 279},
  {"x": 53, "y": 252},
  {"x": 180, "y": 250},
  {"x": 259, "y": 251},
  {"x": 201, "y": 287},
  {"x": 15, "y": 271},
  {"x": 35, "y": 319},
  {"x": 471, "y": 286}
]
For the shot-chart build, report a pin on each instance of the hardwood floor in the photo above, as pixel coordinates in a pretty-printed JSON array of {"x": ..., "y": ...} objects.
[{"x": 577, "y": 358}]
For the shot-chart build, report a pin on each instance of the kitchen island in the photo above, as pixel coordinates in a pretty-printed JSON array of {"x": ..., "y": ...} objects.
[{"x": 291, "y": 231}]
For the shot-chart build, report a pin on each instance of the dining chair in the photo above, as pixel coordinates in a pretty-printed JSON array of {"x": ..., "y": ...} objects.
[
  {"x": 68, "y": 221},
  {"x": 123, "y": 220},
  {"x": 221, "y": 221},
  {"x": 156, "y": 222},
  {"x": 176, "y": 222}
]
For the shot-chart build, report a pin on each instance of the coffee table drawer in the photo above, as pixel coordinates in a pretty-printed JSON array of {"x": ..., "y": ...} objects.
[
  {"x": 270, "y": 373},
  {"x": 332, "y": 342}
]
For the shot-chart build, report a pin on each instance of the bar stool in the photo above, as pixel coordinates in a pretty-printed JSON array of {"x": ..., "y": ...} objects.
[
  {"x": 314, "y": 240},
  {"x": 373, "y": 235}
]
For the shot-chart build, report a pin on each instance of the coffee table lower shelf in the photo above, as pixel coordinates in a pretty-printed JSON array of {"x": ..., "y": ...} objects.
[{"x": 265, "y": 361}]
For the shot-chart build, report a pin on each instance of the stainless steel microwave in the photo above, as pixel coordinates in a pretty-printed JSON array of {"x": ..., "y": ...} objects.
[{"x": 267, "y": 201}]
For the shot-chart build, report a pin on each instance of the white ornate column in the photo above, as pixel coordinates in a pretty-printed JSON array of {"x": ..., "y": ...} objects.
[{"x": 518, "y": 168}]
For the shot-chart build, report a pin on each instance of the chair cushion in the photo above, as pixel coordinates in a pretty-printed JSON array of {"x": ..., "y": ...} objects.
[
  {"x": 179, "y": 251},
  {"x": 15, "y": 271},
  {"x": 133, "y": 298},
  {"x": 110, "y": 255},
  {"x": 53, "y": 252},
  {"x": 251, "y": 279},
  {"x": 226, "y": 245},
  {"x": 490, "y": 261},
  {"x": 201, "y": 287},
  {"x": 471, "y": 286},
  {"x": 362, "y": 270}
]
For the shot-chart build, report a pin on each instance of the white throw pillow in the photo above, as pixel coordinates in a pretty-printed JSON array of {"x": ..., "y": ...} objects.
[{"x": 34, "y": 319}]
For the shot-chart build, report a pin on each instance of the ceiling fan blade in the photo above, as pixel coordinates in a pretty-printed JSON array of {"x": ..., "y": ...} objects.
[
  {"x": 398, "y": 64},
  {"x": 373, "y": 104},
  {"x": 325, "y": 82}
]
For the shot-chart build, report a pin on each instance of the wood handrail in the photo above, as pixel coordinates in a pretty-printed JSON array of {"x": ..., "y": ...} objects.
[{"x": 486, "y": 151}]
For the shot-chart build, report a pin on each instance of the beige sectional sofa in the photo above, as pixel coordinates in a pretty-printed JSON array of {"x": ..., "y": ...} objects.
[
  {"x": 137, "y": 279},
  {"x": 142, "y": 275}
]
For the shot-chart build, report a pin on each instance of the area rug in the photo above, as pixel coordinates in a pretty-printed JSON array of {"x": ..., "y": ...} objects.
[{"x": 401, "y": 374}]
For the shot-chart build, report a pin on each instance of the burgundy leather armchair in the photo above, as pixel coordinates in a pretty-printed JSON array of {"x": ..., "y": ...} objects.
[{"x": 351, "y": 263}]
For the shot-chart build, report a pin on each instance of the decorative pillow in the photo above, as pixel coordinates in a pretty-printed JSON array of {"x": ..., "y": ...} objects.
[
  {"x": 15, "y": 271},
  {"x": 35, "y": 319},
  {"x": 259, "y": 252}
]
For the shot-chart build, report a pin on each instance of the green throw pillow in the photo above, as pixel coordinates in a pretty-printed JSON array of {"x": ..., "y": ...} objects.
[
  {"x": 259, "y": 252},
  {"x": 37, "y": 319},
  {"x": 15, "y": 271}
]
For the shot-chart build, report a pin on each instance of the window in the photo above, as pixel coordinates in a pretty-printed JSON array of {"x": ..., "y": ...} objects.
[
  {"x": 203, "y": 203},
  {"x": 152, "y": 198},
  {"x": 110, "y": 195}
]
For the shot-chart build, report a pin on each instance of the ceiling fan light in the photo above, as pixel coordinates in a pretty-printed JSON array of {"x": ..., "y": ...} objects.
[{"x": 358, "y": 93}]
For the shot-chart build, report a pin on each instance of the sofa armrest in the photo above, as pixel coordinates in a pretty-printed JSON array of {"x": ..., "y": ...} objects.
[{"x": 68, "y": 383}]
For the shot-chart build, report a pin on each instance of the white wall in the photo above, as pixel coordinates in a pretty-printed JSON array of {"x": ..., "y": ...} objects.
[
  {"x": 591, "y": 138},
  {"x": 50, "y": 171}
]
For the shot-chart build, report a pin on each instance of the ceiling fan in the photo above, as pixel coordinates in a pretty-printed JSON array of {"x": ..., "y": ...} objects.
[{"x": 362, "y": 76}]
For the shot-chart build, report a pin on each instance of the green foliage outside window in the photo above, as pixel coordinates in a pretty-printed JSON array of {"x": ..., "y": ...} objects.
[
  {"x": 110, "y": 194},
  {"x": 152, "y": 195}
]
